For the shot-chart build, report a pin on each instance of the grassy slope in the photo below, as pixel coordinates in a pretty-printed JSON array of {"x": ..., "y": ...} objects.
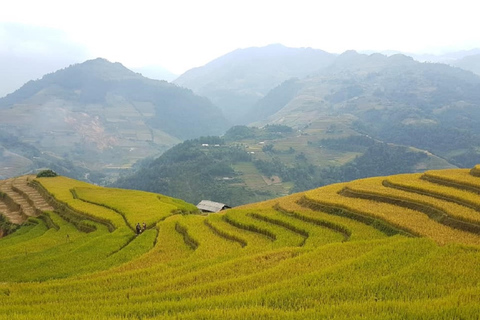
[{"x": 335, "y": 252}]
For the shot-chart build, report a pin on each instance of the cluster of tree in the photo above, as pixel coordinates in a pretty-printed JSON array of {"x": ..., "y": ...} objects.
[{"x": 46, "y": 174}]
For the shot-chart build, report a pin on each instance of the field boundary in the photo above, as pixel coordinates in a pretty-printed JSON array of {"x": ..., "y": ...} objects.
[
  {"x": 70, "y": 214},
  {"x": 250, "y": 227},
  {"x": 319, "y": 222},
  {"x": 450, "y": 183},
  {"x": 345, "y": 212},
  {"x": 437, "y": 195},
  {"x": 434, "y": 213},
  {"x": 187, "y": 238},
  {"x": 225, "y": 235},
  {"x": 75, "y": 196},
  {"x": 475, "y": 171},
  {"x": 282, "y": 224}
]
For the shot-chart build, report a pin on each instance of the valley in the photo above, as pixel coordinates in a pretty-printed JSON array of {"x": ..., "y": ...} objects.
[{"x": 254, "y": 160}]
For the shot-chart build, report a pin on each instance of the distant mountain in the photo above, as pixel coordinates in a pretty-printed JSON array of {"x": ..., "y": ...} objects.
[
  {"x": 237, "y": 80},
  {"x": 434, "y": 107},
  {"x": 445, "y": 57},
  {"x": 448, "y": 57},
  {"x": 470, "y": 63},
  {"x": 102, "y": 116}
]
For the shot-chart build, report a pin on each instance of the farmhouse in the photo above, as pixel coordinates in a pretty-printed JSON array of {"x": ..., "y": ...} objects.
[{"x": 211, "y": 206}]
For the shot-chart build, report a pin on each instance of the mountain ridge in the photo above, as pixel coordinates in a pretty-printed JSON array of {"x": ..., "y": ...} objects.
[
  {"x": 236, "y": 80},
  {"x": 98, "y": 112}
]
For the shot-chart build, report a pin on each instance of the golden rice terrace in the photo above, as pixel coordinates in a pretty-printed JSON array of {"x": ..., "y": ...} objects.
[{"x": 397, "y": 247}]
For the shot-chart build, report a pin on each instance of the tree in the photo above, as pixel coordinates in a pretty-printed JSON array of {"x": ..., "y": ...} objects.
[{"x": 46, "y": 173}]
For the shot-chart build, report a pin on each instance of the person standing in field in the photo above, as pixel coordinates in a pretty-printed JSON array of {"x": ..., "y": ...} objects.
[
  {"x": 144, "y": 227},
  {"x": 139, "y": 229}
]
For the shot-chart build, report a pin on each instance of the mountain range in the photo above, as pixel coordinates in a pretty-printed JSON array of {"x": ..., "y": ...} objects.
[
  {"x": 362, "y": 115},
  {"x": 94, "y": 119},
  {"x": 395, "y": 99},
  {"x": 237, "y": 80},
  {"x": 101, "y": 116}
]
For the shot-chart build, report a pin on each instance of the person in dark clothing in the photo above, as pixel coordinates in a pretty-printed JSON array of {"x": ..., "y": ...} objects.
[{"x": 139, "y": 229}]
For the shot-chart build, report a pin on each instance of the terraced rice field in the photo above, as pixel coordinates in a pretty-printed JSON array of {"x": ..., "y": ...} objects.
[{"x": 397, "y": 247}]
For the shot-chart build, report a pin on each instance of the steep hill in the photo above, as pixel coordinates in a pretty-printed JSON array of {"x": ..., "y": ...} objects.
[
  {"x": 237, "y": 80},
  {"x": 395, "y": 99},
  {"x": 101, "y": 116},
  {"x": 250, "y": 164},
  {"x": 394, "y": 247}
]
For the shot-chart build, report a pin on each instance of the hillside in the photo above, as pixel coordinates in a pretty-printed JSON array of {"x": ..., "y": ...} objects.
[
  {"x": 237, "y": 80},
  {"x": 250, "y": 164},
  {"x": 102, "y": 117},
  {"x": 395, "y": 99},
  {"x": 394, "y": 247}
]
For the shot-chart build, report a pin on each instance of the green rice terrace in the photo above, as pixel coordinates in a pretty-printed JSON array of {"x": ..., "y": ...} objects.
[{"x": 396, "y": 247}]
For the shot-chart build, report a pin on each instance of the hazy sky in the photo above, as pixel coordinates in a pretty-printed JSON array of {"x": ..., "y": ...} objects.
[{"x": 181, "y": 34}]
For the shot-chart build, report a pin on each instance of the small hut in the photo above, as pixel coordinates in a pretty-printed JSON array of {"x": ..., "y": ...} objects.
[{"x": 211, "y": 206}]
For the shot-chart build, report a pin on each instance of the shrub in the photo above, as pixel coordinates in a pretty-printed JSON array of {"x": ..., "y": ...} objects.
[{"x": 46, "y": 173}]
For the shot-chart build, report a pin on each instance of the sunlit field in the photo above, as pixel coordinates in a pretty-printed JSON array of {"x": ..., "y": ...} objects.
[{"x": 395, "y": 247}]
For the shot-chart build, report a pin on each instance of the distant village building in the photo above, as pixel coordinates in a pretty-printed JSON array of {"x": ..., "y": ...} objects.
[{"x": 211, "y": 206}]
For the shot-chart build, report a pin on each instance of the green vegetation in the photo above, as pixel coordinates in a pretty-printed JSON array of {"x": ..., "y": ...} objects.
[
  {"x": 250, "y": 164},
  {"x": 46, "y": 173},
  {"x": 366, "y": 249}
]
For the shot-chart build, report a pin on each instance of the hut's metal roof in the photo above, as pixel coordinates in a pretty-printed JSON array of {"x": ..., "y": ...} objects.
[{"x": 211, "y": 206}]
